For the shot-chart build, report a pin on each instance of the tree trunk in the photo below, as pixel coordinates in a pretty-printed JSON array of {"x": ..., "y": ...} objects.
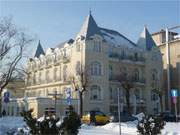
[
  {"x": 81, "y": 103},
  {"x": 161, "y": 103},
  {"x": 128, "y": 101}
]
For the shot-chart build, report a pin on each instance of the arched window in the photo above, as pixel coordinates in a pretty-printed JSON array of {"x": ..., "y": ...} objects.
[
  {"x": 95, "y": 68},
  {"x": 95, "y": 93},
  {"x": 136, "y": 75},
  {"x": 65, "y": 73}
]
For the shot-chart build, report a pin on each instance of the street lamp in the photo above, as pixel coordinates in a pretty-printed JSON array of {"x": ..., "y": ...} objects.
[{"x": 168, "y": 64}]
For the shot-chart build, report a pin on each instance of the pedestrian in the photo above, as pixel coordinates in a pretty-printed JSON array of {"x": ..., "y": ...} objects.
[
  {"x": 3, "y": 113},
  {"x": 92, "y": 117}
]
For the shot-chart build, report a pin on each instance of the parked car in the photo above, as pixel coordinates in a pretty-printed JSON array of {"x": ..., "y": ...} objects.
[
  {"x": 123, "y": 116},
  {"x": 96, "y": 117},
  {"x": 168, "y": 116}
]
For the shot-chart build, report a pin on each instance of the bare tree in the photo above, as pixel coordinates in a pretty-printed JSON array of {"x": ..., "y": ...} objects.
[
  {"x": 127, "y": 85},
  {"x": 80, "y": 84},
  {"x": 12, "y": 46}
]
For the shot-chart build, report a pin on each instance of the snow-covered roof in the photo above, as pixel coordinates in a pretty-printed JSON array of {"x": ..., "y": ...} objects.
[
  {"x": 61, "y": 45},
  {"x": 116, "y": 39},
  {"x": 90, "y": 28}
]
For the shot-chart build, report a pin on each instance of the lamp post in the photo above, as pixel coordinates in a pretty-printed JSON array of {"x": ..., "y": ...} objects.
[{"x": 168, "y": 65}]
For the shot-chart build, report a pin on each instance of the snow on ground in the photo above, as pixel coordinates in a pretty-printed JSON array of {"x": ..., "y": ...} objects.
[
  {"x": 8, "y": 124},
  {"x": 128, "y": 128},
  {"x": 171, "y": 128}
]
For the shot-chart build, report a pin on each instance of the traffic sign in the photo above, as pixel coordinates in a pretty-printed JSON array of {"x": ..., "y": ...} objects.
[
  {"x": 174, "y": 93},
  {"x": 6, "y": 97},
  {"x": 68, "y": 96}
]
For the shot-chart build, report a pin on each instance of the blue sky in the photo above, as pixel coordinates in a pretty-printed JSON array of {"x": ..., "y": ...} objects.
[{"x": 56, "y": 21}]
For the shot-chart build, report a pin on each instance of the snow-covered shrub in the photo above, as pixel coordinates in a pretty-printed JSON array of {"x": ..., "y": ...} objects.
[
  {"x": 150, "y": 125},
  {"x": 71, "y": 123},
  {"x": 44, "y": 127},
  {"x": 51, "y": 125}
]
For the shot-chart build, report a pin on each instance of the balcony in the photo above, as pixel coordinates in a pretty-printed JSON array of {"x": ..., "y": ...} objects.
[
  {"x": 66, "y": 59},
  {"x": 124, "y": 58},
  {"x": 119, "y": 78}
]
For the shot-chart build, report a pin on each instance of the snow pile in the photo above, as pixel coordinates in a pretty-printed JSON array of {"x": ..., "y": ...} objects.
[
  {"x": 10, "y": 124},
  {"x": 139, "y": 116},
  {"x": 171, "y": 128},
  {"x": 127, "y": 128}
]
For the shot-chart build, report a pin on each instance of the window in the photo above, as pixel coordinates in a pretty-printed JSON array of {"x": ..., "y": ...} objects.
[
  {"x": 136, "y": 56},
  {"x": 78, "y": 68},
  {"x": 110, "y": 71},
  {"x": 95, "y": 93},
  {"x": 95, "y": 68},
  {"x": 110, "y": 51},
  {"x": 39, "y": 77},
  {"x": 137, "y": 94},
  {"x": 154, "y": 75},
  {"x": 124, "y": 71},
  {"x": 60, "y": 72},
  {"x": 154, "y": 96},
  {"x": 97, "y": 46},
  {"x": 78, "y": 47},
  {"x": 47, "y": 76},
  {"x": 136, "y": 74},
  {"x": 55, "y": 74},
  {"x": 65, "y": 73},
  {"x": 34, "y": 78},
  {"x": 111, "y": 93}
]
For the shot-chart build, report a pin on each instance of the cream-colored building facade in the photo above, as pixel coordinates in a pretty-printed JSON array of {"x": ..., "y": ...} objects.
[
  {"x": 174, "y": 61},
  {"x": 105, "y": 54}
]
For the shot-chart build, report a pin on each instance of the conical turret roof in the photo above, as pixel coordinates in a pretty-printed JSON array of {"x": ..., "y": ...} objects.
[
  {"x": 39, "y": 50},
  {"x": 145, "y": 41},
  {"x": 89, "y": 28}
]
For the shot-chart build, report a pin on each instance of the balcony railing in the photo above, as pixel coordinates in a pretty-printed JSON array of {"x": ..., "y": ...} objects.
[
  {"x": 118, "y": 78},
  {"x": 125, "y": 57}
]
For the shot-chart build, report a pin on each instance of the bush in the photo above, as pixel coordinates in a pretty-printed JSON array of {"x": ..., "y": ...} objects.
[
  {"x": 150, "y": 125},
  {"x": 48, "y": 126}
]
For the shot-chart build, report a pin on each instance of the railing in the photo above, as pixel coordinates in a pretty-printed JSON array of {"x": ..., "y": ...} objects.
[
  {"x": 129, "y": 57},
  {"x": 118, "y": 78}
]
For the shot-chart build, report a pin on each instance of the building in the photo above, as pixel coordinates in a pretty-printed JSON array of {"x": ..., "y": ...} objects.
[
  {"x": 104, "y": 54},
  {"x": 174, "y": 63},
  {"x": 16, "y": 90}
]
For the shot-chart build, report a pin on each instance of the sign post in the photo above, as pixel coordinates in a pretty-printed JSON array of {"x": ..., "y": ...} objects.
[
  {"x": 55, "y": 96},
  {"x": 119, "y": 111},
  {"x": 174, "y": 94},
  {"x": 68, "y": 96}
]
